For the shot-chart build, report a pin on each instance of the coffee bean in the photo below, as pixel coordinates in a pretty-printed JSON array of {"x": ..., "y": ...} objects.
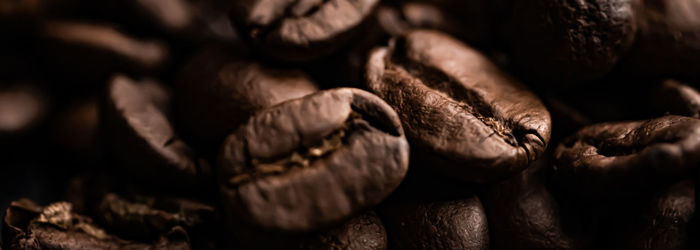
[
  {"x": 231, "y": 88},
  {"x": 450, "y": 224},
  {"x": 669, "y": 39},
  {"x": 673, "y": 97},
  {"x": 457, "y": 108},
  {"x": 465, "y": 20},
  {"x": 312, "y": 162},
  {"x": 29, "y": 226},
  {"x": 610, "y": 157},
  {"x": 365, "y": 231},
  {"x": 663, "y": 223},
  {"x": 565, "y": 42},
  {"x": 300, "y": 30},
  {"x": 22, "y": 107},
  {"x": 522, "y": 214},
  {"x": 91, "y": 52},
  {"x": 141, "y": 139},
  {"x": 144, "y": 218}
]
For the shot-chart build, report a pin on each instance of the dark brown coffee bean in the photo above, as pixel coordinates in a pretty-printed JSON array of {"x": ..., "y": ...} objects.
[
  {"x": 673, "y": 97},
  {"x": 29, "y": 226},
  {"x": 300, "y": 30},
  {"x": 465, "y": 20},
  {"x": 312, "y": 162},
  {"x": 141, "y": 139},
  {"x": 365, "y": 231},
  {"x": 669, "y": 40},
  {"x": 458, "y": 108},
  {"x": 617, "y": 156},
  {"x": 564, "y": 42},
  {"x": 230, "y": 89},
  {"x": 450, "y": 224},
  {"x": 146, "y": 217},
  {"x": 522, "y": 214},
  {"x": 662, "y": 220},
  {"x": 85, "y": 51}
]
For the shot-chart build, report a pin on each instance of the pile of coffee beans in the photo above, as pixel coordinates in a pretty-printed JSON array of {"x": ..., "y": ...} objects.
[{"x": 349, "y": 124}]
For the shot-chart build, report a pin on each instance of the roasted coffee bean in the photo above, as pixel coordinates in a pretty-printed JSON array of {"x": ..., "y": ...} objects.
[
  {"x": 141, "y": 139},
  {"x": 90, "y": 52},
  {"x": 465, "y": 20},
  {"x": 365, "y": 231},
  {"x": 664, "y": 221},
  {"x": 615, "y": 156},
  {"x": 300, "y": 30},
  {"x": 565, "y": 42},
  {"x": 449, "y": 224},
  {"x": 673, "y": 97},
  {"x": 146, "y": 217},
  {"x": 29, "y": 226},
  {"x": 522, "y": 214},
  {"x": 458, "y": 108},
  {"x": 669, "y": 40},
  {"x": 231, "y": 88},
  {"x": 312, "y": 162}
]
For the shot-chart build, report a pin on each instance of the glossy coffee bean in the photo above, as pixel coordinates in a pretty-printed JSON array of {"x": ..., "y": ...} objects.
[
  {"x": 29, "y": 226},
  {"x": 566, "y": 42},
  {"x": 365, "y": 231},
  {"x": 677, "y": 98},
  {"x": 141, "y": 139},
  {"x": 312, "y": 162},
  {"x": 457, "y": 108},
  {"x": 231, "y": 88},
  {"x": 669, "y": 40},
  {"x": 618, "y": 156},
  {"x": 300, "y": 30},
  {"x": 522, "y": 214},
  {"x": 448, "y": 224}
]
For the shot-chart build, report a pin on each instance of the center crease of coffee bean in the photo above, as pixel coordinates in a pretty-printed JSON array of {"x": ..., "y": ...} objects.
[
  {"x": 303, "y": 157},
  {"x": 455, "y": 92}
]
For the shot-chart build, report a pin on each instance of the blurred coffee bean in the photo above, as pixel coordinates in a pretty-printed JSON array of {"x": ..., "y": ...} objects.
[
  {"x": 568, "y": 42},
  {"x": 300, "y": 30},
  {"x": 445, "y": 16},
  {"x": 75, "y": 128},
  {"x": 663, "y": 222},
  {"x": 144, "y": 218},
  {"x": 87, "y": 52},
  {"x": 522, "y": 214},
  {"x": 673, "y": 97},
  {"x": 312, "y": 162},
  {"x": 459, "y": 109},
  {"x": 29, "y": 226},
  {"x": 669, "y": 39},
  {"x": 141, "y": 140},
  {"x": 218, "y": 90},
  {"x": 606, "y": 158},
  {"x": 22, "y": 107}
]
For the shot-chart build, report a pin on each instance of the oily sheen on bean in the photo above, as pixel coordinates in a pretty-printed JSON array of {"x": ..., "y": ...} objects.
[
  {"x": 309, "y": 163},
  {"x": 457, "y": 107}
]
